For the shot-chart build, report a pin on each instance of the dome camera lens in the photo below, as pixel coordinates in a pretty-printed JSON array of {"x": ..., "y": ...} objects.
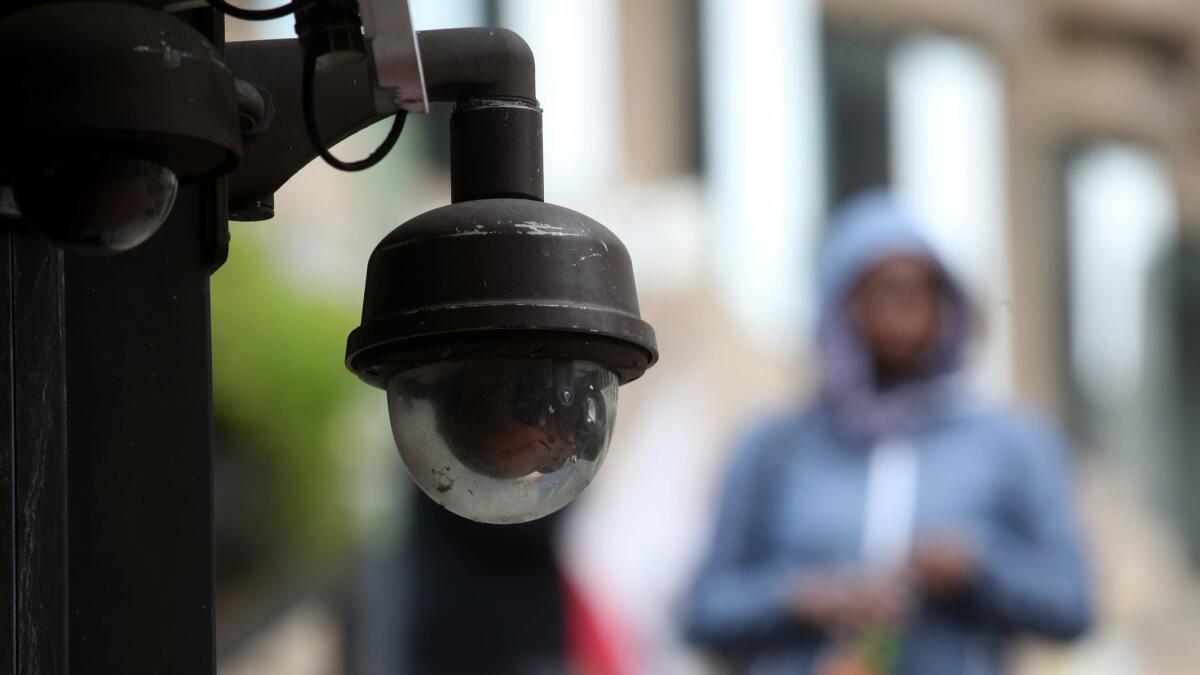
[
  {"x": 503, "y": 440},
  {"x": 96, "y": 202}
]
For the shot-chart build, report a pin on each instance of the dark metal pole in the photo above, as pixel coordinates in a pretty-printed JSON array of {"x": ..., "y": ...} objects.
[
  {"x": 139, "y": 448},
  {"x": 106, "y": 447},
  {"x": 35, "y": 453}
]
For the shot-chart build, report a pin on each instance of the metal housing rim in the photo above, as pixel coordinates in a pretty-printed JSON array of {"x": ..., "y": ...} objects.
[{"x": 515, "y": 275}]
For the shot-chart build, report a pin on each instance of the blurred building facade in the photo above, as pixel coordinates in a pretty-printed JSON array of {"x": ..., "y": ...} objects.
[
  {"x": 1052, "y": 145},
  {"x": 1055, "y": 149}
]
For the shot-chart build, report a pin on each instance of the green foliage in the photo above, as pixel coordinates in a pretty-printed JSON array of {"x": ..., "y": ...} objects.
[{"x": 280, "y": 391}]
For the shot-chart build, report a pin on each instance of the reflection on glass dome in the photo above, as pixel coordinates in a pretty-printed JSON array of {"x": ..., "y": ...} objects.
[
  {"x": 97, "y": 202},
  {"x": 503, "y": 440}
]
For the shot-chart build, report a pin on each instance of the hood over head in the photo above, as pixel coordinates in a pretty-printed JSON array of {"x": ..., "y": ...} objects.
[{"x": 867, "y": 230}]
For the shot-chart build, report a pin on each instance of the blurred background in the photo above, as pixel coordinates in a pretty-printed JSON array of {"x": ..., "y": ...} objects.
[{"x": 1052, "y": 146}]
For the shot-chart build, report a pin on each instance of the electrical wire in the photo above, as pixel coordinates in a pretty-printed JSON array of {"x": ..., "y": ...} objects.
[
  {"x": 314, "y": 136},
  {"x": 259, "y": 14}
]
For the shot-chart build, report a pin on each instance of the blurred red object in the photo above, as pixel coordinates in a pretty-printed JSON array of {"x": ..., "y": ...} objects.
[{"x": 596, "y": 644}]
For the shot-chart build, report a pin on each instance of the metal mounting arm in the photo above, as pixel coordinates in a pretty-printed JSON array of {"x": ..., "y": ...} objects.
[
  {"x": 496, "y": 130},
  {"x": 476, "y": 63}
]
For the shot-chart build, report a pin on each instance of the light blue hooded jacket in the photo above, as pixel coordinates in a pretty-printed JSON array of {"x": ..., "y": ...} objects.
[{"x": 794, "y": 502}]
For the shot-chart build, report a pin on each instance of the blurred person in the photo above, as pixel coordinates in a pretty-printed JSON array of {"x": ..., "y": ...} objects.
[
  {"x": 468, "y": 598},
  {"x": 898, "y": 524}
]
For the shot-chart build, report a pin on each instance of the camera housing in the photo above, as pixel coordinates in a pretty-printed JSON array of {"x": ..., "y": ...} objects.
[
  {"x": 97, "y": 172},
  {"x": 501, "y": 329},
  {"x": 106, "y": 201},
  {"x": 500, "y": 278},
  {"x": 500, "y": 325}
]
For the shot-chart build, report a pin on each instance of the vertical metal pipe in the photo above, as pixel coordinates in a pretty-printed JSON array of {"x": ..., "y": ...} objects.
[{"x": 496, "y": 150}]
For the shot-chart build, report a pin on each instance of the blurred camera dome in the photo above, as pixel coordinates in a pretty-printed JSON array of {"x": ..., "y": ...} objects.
[{"x": 96, "y": 202}]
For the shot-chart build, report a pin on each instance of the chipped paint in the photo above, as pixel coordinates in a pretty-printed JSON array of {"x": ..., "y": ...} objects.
[
  {"x": 582, "y": 258},
  {"x": 541, "y": 229},
  {"x": 478, "y": 231},
  {"x": 540, "y": 305},
  {"x": 500, "y": 229},
  {"x": 173, "y": 58}
]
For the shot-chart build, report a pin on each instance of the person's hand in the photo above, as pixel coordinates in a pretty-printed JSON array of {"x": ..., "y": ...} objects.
[
  {"x": 843, "y": 663},
  {"x": 849, "y": 604},
  {"x": 943, "y": 567}
]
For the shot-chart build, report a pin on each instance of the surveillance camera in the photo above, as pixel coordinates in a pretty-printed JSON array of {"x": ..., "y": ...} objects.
[
  {"x": 96, "y": 201},
  {"x": 96, "y": 171},
  {"x": 501, "y": 330}
]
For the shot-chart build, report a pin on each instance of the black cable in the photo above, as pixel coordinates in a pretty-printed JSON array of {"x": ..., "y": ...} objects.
[
  {"x": 314, "y": 135},
  {"x": 259, "y": 14}
]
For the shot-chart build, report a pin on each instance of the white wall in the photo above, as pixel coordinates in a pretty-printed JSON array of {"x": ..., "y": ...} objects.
[
  {"x": 948, "y": 165},
  {"x": 764, "y": 157},
  {"x": 1120, "y": 214}
]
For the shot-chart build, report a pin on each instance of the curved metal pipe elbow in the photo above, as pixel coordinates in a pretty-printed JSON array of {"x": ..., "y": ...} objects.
[{"x": 476, "y": 63}]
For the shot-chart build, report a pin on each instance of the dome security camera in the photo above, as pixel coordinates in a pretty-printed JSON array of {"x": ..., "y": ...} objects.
[
  {"x": 97, "y": 172},
  {"x": 503, "y": 439},
  {"x": 99, "y": 201},
  {"x": 501, "y": 329},
  {"x": 500, "y": 326}
]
